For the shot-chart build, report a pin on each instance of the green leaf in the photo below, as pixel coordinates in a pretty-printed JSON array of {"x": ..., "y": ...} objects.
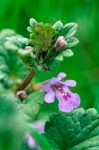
[
  {"x": 78, "y": 130},
  {"x": 26, "y": 56},
  {"x": 31, "y": 105},
  {"x": 59, "y": 57},
  {"x": 69, "y": 29},
  {"x": 58, "y": 26},
  {"x": 67, "y": 53},
  {"x": 72, "y": 41},
  {"x": 6, "y": 33},
  {"x": 33, "y": 22},
  {"x": 24, "y": 51},
  {"x": 16, "y": 42},
  {"x": 53, "y": 65},
  {"x": 12, "y": 125},
  {"x": 42, "y": 37},
  {"x": 12, "y": 70}
]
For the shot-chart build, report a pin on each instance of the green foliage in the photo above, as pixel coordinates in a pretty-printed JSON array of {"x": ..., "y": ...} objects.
[
  {"x": 84, "y": 67},
  {"x": 31, "y": 105},
  {"x": 72, "y": 41},
  {"x": 40, "y": 49},
  {"x": 66, "y": 53},
  {"x": 33, "y": 23},
  {"x": 12, "y": 71},
  {"x": 43, "y": 143},
  {"x": 67, "y": 30},
  {"x": 42, "y": 36},
  {"x": 77, "y": 130},
  {"x": 12, "y": 125},
  {"x": 15, "y": 42},
  {"x": 85, "y": 13},
  {"x": 19, "y": 44}
]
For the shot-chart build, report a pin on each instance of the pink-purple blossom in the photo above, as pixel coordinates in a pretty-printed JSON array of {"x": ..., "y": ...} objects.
[
  {"x": 58, "y": 88},
  {"x": 39, "y": 125}
]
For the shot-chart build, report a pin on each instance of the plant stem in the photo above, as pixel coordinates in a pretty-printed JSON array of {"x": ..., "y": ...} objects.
[
  {"x": 48, "y": 57},
  {"x": 27, "y": 80}
]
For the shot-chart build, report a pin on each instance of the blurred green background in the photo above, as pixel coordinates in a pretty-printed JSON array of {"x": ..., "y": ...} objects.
[{"x": 84, "y": 65}]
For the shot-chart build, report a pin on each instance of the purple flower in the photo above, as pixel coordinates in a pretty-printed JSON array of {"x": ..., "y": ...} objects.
[
  {"x": 39, "y": 125},
  {"x": 55, "y": 87}
]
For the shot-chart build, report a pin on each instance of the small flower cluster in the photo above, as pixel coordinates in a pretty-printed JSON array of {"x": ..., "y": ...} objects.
[{"x": 46, "y": 44}]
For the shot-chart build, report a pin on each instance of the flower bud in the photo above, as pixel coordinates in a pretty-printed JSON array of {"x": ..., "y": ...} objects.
[
  {"x": 60, "y": 43},
  {"x": 21, "y": 95},
  {"x": 29, "y": 48}
]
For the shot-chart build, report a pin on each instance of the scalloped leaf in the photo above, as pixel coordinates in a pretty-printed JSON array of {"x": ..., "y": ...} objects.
[
  {"x": 12, "y": 124},
  {"x": 59, "y": 57},
  {"x": 31, "y": 105},
  {"x": 78, "y": 130},
  {"x": 69, "y": 29},
  {"x": 6, "y": 33},
  {"x": 32, "y": 22},
  {"x": 12, "y": 69},
  {"x": 67, "y": 53},
  {"x": 72, "y": 41},
  {"x": 42, "y": 37},
  {"x": 58, "y": 26},
  {"x": 16, "y": 42},
  {"x": 24, "y": 51}
]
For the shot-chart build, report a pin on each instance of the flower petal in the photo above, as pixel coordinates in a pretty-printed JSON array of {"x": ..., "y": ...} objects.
[
  {"x": 30, "y": 140},
  {"x": 45, "y": 86},
  {"x": 54, "y": 80},
  {"x": 67, "y": 100},
  {"x": 70, "y": 83},
  {"x": 65, "y": 106},
  {"x": 75, "y": 100},
  {"x": 61, "y": 75},
  {"x": 39, "y": 125},
  {"x": 49, "y": 97}
]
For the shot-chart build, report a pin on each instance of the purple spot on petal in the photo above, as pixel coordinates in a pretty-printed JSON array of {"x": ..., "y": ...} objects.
[
  {"x": 68, "y": 95},
  {"x": 65, "y": 97}
]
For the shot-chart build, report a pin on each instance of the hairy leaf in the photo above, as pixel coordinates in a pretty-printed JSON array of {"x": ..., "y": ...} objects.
[
  {"x": 58, "y": 26},
  {"x": 65, "y": 53},
  {"x": 12, "y": 124},
  {"x": 12, "y": 70},
  {"x": 78, "y": 130},
  {"x": 31, "y": 105},
  {"x": 42, "y": 36},
  {"x": 69, "y": 29},
  {"x": 72, "y": 41}
]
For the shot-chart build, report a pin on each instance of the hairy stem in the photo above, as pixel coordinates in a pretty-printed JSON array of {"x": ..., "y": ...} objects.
[{"x": 27, "y": 80}]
